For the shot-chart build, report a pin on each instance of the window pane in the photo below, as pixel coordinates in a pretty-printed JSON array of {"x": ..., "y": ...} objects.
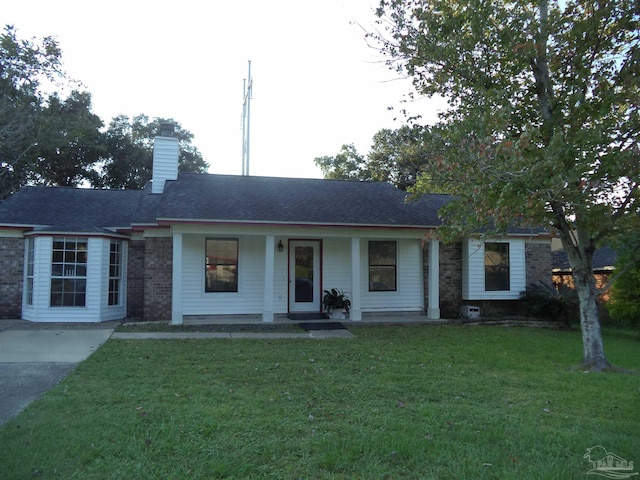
[
  {"x": 69, "y": 260},
  {"x": 382, "y": 253},
  {"x": 115, "y": 272},
  {"x": 221, "y": 265},
  {"x": 29, "y": 291},
  {"x": 82, "y": 256},
  {"x": 382, "y": 266},
  {"x": 496, "y": 266},
  {"x": 304, "y": 274}
]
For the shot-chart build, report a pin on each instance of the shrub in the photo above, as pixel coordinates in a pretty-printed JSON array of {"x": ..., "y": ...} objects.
[
  {"x": 624, "y": 305},
  {"x": 554, "y": 302}
]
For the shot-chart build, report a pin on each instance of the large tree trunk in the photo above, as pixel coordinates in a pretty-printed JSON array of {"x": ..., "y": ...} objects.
[
  {"x": 593, "y": 356},
  {"x": 579, "y": 248}
]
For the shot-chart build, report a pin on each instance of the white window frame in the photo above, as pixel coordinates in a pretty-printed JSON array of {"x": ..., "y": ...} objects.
[
  {"x": 70, "y": 269},
  {"x": 473, "y": 270},
  {"x": 115, "y": 273}
]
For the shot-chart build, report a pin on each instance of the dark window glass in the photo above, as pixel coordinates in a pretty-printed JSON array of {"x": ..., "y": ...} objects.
[
  {"x": 497, "y": 275},
  {"x": 382, "y": 266},
  {"x": 115, "y": 269},
  {"x": 69, "y": 272},
  {"x": 221, "y": 265},
  {"x": 30, "y": 269}
]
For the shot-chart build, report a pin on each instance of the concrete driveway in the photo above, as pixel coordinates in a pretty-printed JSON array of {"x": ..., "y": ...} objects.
[{"x": 35, "y": 357}]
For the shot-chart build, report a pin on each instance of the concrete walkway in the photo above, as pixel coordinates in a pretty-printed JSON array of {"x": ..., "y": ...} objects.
[
  {"x": 342, "y": 333},
  {"x": 36, "y": 357}
]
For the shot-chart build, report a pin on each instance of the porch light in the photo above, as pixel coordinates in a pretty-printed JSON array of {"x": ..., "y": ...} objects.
[{"x": 280, "y": 246}]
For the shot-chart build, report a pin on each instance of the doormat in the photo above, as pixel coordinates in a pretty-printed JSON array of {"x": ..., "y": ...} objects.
[
  {"x": 321, "y": 326},
  {"x": 307, "y": 316}
]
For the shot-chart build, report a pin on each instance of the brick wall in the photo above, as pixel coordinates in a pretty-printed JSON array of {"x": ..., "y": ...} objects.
[
  {"x": 135, "y": 280},
  {"x": 11, "y": 279},
  {"x": 450, "y": 278},
  {"x": 158, "y": 260},
  {"x": 538, "y": 268}
]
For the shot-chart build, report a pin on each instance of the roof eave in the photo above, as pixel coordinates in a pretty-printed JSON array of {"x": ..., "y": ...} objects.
[{"x": 170, "y": 221}]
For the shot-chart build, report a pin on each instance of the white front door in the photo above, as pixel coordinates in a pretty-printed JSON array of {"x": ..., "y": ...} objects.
[{"x": 304, "y": 276}]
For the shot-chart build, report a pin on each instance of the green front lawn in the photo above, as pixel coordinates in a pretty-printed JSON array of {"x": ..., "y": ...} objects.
[{"x": 394, "y": 402}]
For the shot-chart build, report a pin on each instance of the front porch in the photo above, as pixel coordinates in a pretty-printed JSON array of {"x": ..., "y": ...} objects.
[{"x": 267, "y": 277}]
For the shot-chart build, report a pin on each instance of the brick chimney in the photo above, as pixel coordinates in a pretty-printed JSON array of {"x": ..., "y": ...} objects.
[{"x": 165, "y": 158}]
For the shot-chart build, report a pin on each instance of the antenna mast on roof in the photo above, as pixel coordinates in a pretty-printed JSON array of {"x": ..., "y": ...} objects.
[{"x": 246, "y": 120}]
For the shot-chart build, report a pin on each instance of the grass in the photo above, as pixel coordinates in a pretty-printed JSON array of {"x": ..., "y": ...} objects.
[
  {"x": 165, "y": 327},
  {"x": 394, "y": 402}
]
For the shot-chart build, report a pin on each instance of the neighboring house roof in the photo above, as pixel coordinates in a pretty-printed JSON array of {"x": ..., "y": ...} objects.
[
  {"x": 220, "y": 198},
  {"x": 604, "y": 258}
]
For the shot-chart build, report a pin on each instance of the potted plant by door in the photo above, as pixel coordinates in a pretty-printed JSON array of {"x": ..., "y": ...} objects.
[{"x": 336, "y": 303}]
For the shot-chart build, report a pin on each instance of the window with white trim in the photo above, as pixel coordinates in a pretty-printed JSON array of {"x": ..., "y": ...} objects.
[
  {"x": 497, "y": 273},
  {"x": 115, "y": 272},
  {"x": 221, "y": 265},
  {"x": 382, "y": 266},
  {"x": 69, "y": 272},
  {"x": 28, "y": 288}
]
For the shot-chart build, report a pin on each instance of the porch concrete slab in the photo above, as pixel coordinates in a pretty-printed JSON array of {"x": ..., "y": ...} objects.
[
  {"x": 168, "y": 335},
  {"x": 272, "y": 335},
  {"x": 229, "y": 335},
  {"x": 50, "y": 346}
]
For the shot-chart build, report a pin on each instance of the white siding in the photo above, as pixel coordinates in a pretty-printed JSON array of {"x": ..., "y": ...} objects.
[
  {"x": 113, "y": 312},
  {"x": 473, "y": 281},
  {"x": 336, "y": 273},
  {"x": 409, "y": 296},
  {"x": 336, "y": 264},
  {"x": 41, "y": 278},
  {"x": 165, "y": 162},
  {"x": 249, "y": 298}
]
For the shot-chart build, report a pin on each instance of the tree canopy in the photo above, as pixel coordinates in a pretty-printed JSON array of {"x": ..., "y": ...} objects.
[
  {"x": 543, "y": 122},
  {"x": 56, "y": 139},
  {"x": 24, "y": 66},
  {"x": 128, "y": 160},
  {"x": 399, "y": 157}
]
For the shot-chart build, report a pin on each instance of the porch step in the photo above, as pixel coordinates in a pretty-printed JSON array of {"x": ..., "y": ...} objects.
[
  {"x": 309, "y": 326},
  {"x": 301, "y": 317}
]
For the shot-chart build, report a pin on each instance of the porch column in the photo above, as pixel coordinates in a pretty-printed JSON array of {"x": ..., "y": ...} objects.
[
  {"x": 356, "y": 306},
  {"x": 269, "y": 268},
  {"x": 433, "y": 311},
  {"x": 176, "y": 283}
]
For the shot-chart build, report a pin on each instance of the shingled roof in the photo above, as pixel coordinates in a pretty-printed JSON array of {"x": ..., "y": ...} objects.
[
  {"x": 604, "y": 258},
  {"x": 294, "y": 200},
  {"x": 221, "y": 198},
  {"x": 66, "y": 209}
]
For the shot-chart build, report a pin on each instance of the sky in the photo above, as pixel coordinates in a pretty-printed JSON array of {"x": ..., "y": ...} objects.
[{"x": 316, "y": 83}]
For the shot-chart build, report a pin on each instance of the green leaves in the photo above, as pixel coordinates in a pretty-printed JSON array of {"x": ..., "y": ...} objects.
[{"x": 544, "y": 104}]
